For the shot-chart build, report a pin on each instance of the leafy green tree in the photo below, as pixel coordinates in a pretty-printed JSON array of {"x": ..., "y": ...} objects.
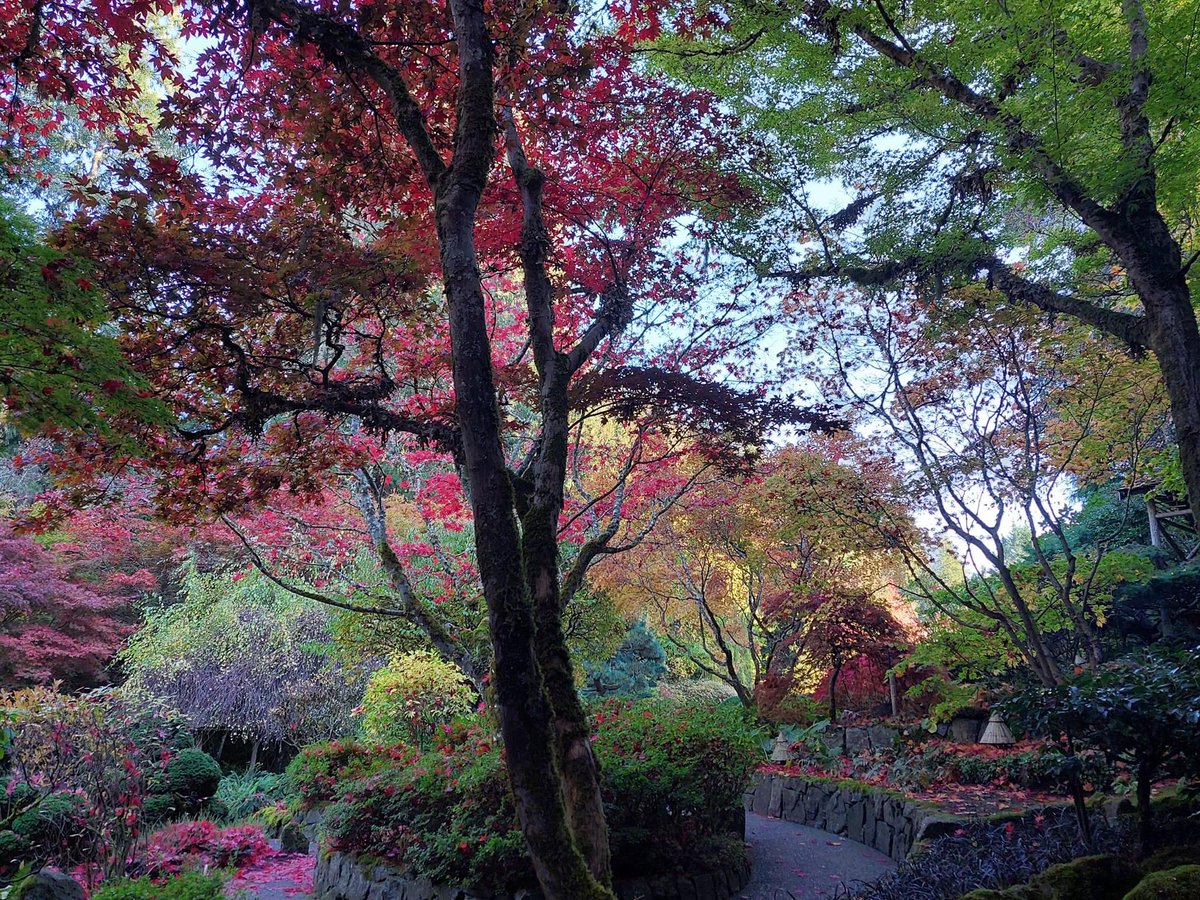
[
  {"x": 1039, "y": 144},
  {"x": 240, "y": 655},
  {"x": 59, "y": 363}
]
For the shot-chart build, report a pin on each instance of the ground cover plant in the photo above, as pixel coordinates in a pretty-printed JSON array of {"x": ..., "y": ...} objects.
[{"x": 984, "y": 854}]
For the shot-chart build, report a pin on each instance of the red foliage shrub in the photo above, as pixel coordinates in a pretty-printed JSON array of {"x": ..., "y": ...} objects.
[{"x": 201, "y": 845}]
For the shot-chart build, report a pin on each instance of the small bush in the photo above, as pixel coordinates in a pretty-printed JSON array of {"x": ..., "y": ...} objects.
[
  {"x": 316, "y": 771},
  {"x": 199, "y": 845},
  {"x": 702, "y": 691},
  {"x": 158, "y": 808},
  {"x": 1182, "y": 883},
  {"x": 14, "y": 850},
  {"x": 240, "y": 796},
  {"x": 188, "y": 886},
  {"x": 411, "y": 697},
  {"x": 193, "y": 777},
  {"x": 54, "y": 825},
  {"x": 673, "y": 779}
]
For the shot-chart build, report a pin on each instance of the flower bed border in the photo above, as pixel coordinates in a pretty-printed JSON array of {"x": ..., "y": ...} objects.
[{"x": 885, "y": 820}]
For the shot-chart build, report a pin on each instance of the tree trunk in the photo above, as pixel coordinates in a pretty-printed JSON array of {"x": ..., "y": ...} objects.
[
  {"x": 526, "y": 714},
  {"x": 833, "y": 680},
  {"x": 1145, "y": 826},
  {"x": 1175, "y": 340}
]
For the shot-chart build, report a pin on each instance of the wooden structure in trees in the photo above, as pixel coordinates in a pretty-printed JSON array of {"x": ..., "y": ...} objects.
[{"x": 1172, "y": 525}]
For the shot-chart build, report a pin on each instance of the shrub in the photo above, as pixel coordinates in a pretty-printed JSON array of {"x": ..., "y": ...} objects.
[
  {"x": 14, "y": 850},
  {"x": 199, "y": 845},
  {"x": 56, "y": 820},
  {"x": 1143, "y": 710},
  {"x": 240, "y": 796},
  {"x": 633, "y": 671},
  {"x": 79, "y": 770},
  {"x": 193, "y": 777},
  {"x": 316, "y": 771},
  {"x": 672, "y": 779},
  {"x": 158, "y": 808},
  {"x": 704, "y": 691},
  {"x": 188, "y": 886},
  {"x": 411, "y": 697}
]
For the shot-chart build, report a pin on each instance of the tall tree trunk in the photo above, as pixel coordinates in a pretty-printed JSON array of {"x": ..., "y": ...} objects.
[
  {"x": 526, "y": 713},
  {"x": 1175, "y": 340}
]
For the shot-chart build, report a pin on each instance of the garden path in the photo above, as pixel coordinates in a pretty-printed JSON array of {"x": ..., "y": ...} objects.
[
  {"x": 788, "y": 861},
  {"x": 794, "y": 862}
]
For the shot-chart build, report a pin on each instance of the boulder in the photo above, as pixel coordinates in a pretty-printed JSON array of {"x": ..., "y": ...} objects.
[{"x": 50, "y": 885}]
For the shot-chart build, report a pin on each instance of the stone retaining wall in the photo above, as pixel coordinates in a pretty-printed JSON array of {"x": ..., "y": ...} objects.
[
  {"x": 340, "y": 876},
  {"x": 889, "y": 823}
]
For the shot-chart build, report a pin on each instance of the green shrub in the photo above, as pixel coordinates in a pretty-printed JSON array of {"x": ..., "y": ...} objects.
[
  {"x": 158, "y": 808},
  {"x": 241, "y": 795},
  {"x": 1182, "y": 883},
  {"x": 187, "y": 886},
  {"x": 671, "y": 776},
  {"x": 632, "y": 672},
  {"x": 53, "y": 820},
  {"x": 193, "y": 776},
  {"x": 673, "y": 779},
  {"x": 316, "y": 771},
  {"x": 14, "y": 848},
  {"x": 703, "y": 691},
  {"x": 412, "y": 697}
]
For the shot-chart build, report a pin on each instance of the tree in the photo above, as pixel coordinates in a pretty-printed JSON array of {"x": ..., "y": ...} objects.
[
  {"x": 843, "y": 627},
  {"x": 974, "y": 135},
  {"x": 980, "y": 426},
  {"x": 55, "y": 623},
  {"x": 730, "y": 572},
  {"x": 299, "y": 290},
  {"x": 58, "y": 367},
  {"x": 633, "y": 671},
  {"x": 239, "y": 656}
]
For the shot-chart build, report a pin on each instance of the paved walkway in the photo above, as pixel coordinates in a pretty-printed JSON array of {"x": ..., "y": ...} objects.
[
  {"x": 795, "y": 862},
  {"x": 788, "y": 862}
]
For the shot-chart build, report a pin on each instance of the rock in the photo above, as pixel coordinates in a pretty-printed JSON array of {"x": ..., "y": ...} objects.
[
  {"x": 882, "y": 737},
  {"x": 964, "y": 730},
  {"x": 858, "y": 740},
  {"x": 292, "y": 839},
  {"x": 883, "y": 838},
  {"x": 776, "y": 801},
  {"x": 835, "y": 813},
  {"x": 856, "y": 819},
  {"x": 1182, "y": 883},
  {"x": 50, "y": 885},
  {"x": 762, "y": 797},
  {"x": 937, "y": 826}
]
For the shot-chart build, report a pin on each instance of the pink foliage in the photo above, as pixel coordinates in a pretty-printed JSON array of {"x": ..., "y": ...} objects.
[
  {"x": 202, "y": 845},
  {"x": 58, "y": 622}
]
